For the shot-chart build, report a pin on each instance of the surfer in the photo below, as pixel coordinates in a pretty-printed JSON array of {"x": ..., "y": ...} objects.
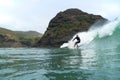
[{"x": 78, "y": 40}]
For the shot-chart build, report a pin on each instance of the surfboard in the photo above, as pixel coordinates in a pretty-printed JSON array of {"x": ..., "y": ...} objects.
[
  {"x": 69, "y": 45},
  {"x": 64, "y": 45}
]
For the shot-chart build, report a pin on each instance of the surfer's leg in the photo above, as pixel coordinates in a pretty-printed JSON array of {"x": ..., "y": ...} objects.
[{"x": 75, "y": 44}]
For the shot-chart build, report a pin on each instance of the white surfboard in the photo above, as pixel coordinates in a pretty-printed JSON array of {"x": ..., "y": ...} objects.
[
  {"x": 69, "y": 45},
  {"x": 64, "y": 45}
]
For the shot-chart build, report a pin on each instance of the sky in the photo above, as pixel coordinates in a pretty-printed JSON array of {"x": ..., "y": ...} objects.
[{"x": 35, "y": 15}]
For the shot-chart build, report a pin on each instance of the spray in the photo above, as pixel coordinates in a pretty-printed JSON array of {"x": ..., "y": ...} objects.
[{"x": 88, "y": 36}]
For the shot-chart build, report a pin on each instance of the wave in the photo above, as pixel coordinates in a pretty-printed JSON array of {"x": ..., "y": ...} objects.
[{"x": 94, "y": 32}]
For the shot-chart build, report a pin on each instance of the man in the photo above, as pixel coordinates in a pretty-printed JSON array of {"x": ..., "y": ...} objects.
[{"x": 78, "y": 40}]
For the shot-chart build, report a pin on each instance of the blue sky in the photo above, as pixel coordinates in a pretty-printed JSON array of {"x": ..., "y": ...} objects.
[{"x": 35, "y": 14}]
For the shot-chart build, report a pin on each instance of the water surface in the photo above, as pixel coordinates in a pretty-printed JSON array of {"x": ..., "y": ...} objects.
[{"x": 59, "y": 64}]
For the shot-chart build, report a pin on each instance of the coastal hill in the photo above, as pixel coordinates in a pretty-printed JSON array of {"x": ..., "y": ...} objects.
[
  {"x": 9, "y": 38},
  {"x": 66, "y": 24}
]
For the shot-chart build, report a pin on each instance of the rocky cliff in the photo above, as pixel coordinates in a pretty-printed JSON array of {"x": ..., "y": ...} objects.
[{"x": 66, "y": 24}]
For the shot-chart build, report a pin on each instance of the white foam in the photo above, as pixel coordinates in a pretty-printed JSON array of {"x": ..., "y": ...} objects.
[
  {"x": 87, "y": 37},
  {"x": 64, "y": 45},
  {"x": 108, "y": 29}
]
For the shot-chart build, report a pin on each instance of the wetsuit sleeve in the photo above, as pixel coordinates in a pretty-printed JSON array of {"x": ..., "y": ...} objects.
[{"x": 74, "y": 38}]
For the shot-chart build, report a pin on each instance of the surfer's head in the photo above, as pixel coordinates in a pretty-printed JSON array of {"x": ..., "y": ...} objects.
[{"x": 76, "y": 35}]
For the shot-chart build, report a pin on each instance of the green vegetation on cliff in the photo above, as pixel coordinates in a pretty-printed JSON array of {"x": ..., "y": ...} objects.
[
  {"x": 9, "y": 38},
  {"x": 28, "y": 38}
]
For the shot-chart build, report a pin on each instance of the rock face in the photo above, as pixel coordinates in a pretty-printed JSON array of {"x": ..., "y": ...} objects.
[{"x": 66, "y": 24}]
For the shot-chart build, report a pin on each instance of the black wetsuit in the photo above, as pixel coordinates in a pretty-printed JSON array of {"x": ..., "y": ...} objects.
[{"x": 78, "y": 39}]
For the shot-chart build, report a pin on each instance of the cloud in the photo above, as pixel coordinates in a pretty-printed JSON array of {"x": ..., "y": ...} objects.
[
  {"x": 4, "y": 19},
  {"x": 111, "y": 10},
  {"x": 36, "y": 14},
  {"x": 6, "y": 3}
]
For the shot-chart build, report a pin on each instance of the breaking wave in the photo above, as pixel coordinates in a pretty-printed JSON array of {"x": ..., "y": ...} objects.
[{"x": 97, "y": 33}]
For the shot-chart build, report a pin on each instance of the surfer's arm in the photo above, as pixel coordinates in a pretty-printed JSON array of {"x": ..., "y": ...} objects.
[{"x": 74, "y": 39}]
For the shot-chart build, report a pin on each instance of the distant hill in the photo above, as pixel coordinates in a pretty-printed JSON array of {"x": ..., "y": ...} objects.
[
  {"x": 9, "y": 38},
  {"x": 28, "y": 33},
  {"x": 28, "y": 38},
  {"x": 66, "y": 24}
]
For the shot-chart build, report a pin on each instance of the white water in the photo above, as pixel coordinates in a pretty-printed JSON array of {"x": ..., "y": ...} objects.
[{"x": 87, "y": 37}]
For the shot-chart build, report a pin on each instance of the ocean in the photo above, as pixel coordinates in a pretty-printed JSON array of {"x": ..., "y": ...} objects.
[{"x": 98, "y": 58}]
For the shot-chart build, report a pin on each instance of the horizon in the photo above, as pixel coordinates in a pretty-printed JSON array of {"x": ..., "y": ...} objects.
[
  {"x": 35, "y": 16},
  {"x": 22, "y": 30}
]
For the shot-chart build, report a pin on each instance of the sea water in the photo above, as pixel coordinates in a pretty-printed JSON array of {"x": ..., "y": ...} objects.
[
  {"x": 60, "y": 64},
  {"x": 98, "y": 58}
]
